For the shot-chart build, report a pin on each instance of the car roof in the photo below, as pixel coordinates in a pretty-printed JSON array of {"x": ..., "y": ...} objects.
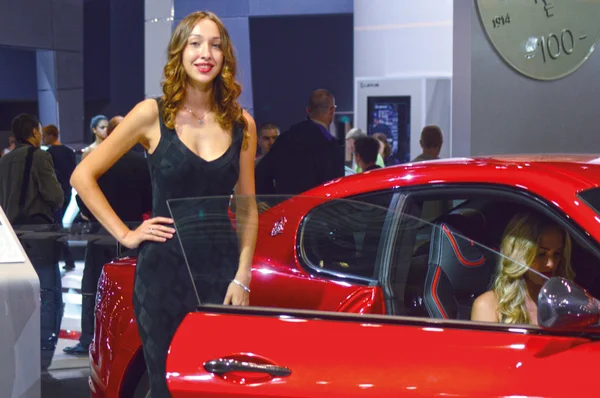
[{"x": 570, "y": 173}]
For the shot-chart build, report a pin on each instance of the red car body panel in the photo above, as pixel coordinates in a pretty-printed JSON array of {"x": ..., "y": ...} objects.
[
  {"x": 279, "y": 281},
  {"x": 116, "y": 338},
  {"x": 338, "y": 358}
]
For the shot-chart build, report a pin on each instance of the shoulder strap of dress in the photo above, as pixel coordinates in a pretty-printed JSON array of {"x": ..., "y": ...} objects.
[
  {"x": 238, "y": 132},
  {"x": 163, "y": 129}
]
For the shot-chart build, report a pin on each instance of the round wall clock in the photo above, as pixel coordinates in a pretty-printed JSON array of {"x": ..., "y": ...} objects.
[{"x": 542, "y": 39}]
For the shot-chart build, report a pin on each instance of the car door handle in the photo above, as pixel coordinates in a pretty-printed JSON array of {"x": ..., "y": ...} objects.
[{"x": 221, "y": 366}]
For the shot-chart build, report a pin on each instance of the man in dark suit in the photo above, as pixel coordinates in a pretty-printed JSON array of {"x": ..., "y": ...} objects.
[{"x": 306, "y": 155}]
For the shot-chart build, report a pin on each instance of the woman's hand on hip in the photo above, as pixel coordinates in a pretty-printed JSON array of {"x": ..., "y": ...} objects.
[{"x": 153, "y": 230}]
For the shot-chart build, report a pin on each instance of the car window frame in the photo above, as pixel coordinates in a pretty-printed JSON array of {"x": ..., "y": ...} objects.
[
  {"x": 516, "y": 194},
  {"x": 589, "y": 197},
  {"x": 314, "y": 270}
]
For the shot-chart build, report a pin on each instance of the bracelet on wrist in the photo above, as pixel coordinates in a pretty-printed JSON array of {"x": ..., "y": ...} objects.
[{"x": 240, "y": 284}]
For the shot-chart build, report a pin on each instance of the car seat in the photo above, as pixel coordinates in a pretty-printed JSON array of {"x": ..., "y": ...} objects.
[{"x": 460, "y": 267}]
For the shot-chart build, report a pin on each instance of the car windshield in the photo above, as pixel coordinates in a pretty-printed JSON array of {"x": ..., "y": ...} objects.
[{"x": 433, "y": 258}]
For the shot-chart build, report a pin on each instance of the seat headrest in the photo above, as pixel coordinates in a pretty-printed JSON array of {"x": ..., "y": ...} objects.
[{"x": 469, "y": 223}]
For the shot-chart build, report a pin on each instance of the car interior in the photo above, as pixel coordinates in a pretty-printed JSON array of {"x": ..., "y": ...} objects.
[
  {"x": 453, "y": 258},
  {"x": 450, "y": 245}
]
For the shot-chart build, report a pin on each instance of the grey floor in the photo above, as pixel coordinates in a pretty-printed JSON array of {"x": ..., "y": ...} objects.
[{"x": 72, "y": 383}]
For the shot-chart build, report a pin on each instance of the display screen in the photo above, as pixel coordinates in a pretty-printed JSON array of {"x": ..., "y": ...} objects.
[{"x": 391, "y": 116}]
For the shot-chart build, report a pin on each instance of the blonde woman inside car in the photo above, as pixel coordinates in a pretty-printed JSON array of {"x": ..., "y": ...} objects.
[{"x": 532, "y": 251}]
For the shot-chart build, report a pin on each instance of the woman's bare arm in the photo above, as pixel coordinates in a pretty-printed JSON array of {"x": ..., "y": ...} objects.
[
  {"x": 137, "y": 127},
  {"x": 246, "y": 214},
  {"x": 485, "y": 308}
]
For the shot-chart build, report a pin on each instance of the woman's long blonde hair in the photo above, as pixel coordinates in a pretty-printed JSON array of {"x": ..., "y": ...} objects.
[
  {"x": 520, "y": 245},
  {"x": 226, "y": 89}
]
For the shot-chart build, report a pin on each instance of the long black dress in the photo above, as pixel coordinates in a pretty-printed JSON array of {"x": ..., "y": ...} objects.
[{"x": 164, "y": 292}]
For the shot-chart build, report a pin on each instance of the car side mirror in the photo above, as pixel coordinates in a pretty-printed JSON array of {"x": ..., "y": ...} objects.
[{"x": 564, "y": 305}]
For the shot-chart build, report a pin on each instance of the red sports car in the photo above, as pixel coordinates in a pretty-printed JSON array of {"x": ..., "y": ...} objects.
[{"x": 406, "y": 249}]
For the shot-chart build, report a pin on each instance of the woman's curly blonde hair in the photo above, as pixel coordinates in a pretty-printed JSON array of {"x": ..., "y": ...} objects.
[
  {"x": 226, "y": 89},
  {"x": 520, "y": 245}
]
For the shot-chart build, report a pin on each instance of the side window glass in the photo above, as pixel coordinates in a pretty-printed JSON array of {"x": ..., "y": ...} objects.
[
  {"x": 343, "y": 236},
  {"x": 463, "y": 264}
]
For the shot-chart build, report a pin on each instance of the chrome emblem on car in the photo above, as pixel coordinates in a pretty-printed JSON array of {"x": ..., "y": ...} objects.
[{"x": 278, "y": 227}]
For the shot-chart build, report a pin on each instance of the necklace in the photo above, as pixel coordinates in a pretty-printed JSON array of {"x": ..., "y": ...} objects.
[{"x": 200, "y": 119}]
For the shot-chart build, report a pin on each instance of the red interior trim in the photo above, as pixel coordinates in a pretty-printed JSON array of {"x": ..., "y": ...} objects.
[
  {"x": 456, "y": 249},
  {"x": 434, "y": 285}
]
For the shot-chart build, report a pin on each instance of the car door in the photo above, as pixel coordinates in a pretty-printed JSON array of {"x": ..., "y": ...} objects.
[
  {"x": 254, "y": 352},
  {"x": 245, "y": 352}
]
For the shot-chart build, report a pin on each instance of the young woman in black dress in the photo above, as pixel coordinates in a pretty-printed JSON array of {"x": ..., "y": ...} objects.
[{"x": 200, "y": 143}]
